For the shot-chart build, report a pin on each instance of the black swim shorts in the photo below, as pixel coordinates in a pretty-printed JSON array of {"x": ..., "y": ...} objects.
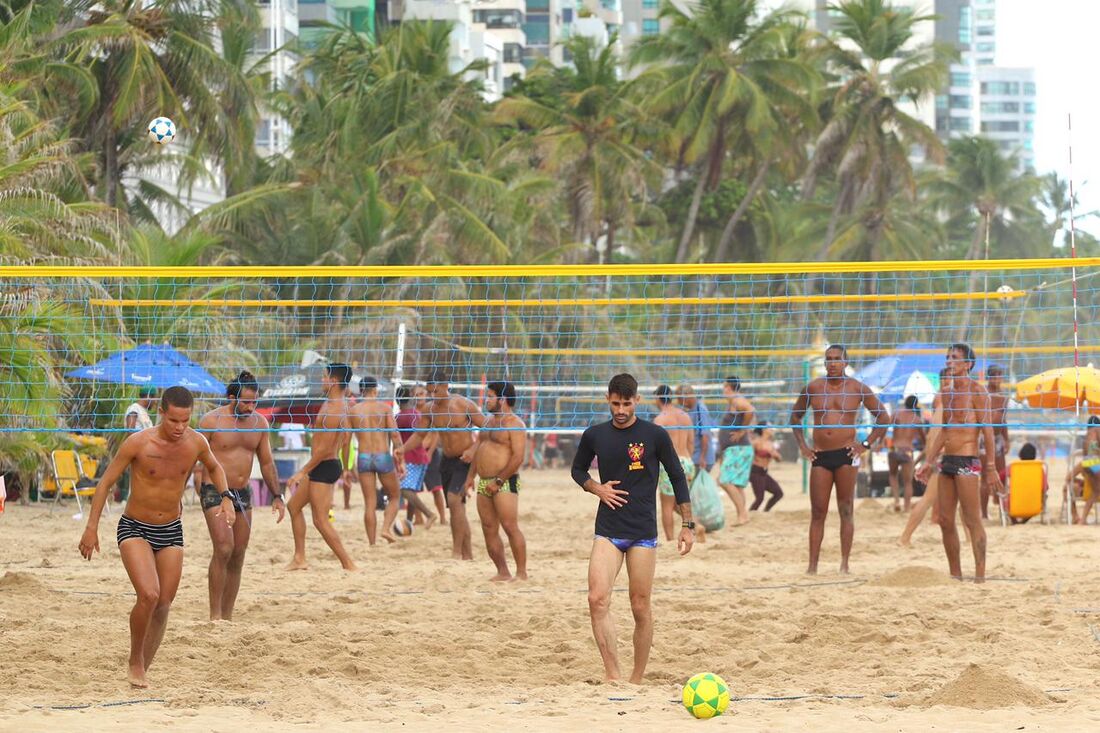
[
  {"x": 327, "y": 472},
  {"x": 210, "y": 498},
  {"x": 960, "y": 466},
  {"x": 833, "y": 459}
]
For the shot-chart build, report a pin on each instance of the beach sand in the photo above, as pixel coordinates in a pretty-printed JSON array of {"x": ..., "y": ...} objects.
[{"x": 416, "y": 641}]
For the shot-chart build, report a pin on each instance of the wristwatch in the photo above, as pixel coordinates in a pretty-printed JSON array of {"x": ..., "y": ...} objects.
[
  {"x": 688, "y": 525},
  {"x": 226, "y": 495},
  {"x": 866, "y": 445}
]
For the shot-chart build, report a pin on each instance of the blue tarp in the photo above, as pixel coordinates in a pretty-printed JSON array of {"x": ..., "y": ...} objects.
[
  {"x": 889, "y": 374},
  {"x": 151, "y": 365}
]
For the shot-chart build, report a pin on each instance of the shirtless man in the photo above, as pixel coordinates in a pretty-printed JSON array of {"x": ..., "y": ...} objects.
[
  {"x": 966, "y": 404},
  {"x": 735, "y": 446},
  {"x": 150, "y": 533},
  {"x": 455, "y": 417},
  {"x": 836, "y": 399},
  {"x": 998, "y": 404},
  {"x": 497, "y": 459},
  {"x": 433, "y": 482},
  {"x": 908, "y": 426},
  {"x": 237, "y": 436},
  {"x": 681, "y": 430},
  {"x": 1089, "y": 470},
  {"x": 314, "y": 482},
  {"x": 380, "y": 451}
]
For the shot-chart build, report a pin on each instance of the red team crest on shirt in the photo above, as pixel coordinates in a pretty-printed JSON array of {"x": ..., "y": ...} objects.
[{"x": 635, "y": 451}]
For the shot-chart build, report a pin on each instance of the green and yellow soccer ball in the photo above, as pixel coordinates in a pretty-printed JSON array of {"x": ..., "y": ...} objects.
[{"x": 706, "y": 695}]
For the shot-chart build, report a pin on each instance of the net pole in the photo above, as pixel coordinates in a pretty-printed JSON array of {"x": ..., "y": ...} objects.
[
  {"x": 399, "y": 362},
  {"x": 806, "y": 376},
  {"x": 1073, "y": 271},
  {"x": 1066, "y": 498}
]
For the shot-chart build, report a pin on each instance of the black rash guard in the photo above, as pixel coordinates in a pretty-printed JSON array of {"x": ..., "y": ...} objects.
[{"x": 631, "y": 457}]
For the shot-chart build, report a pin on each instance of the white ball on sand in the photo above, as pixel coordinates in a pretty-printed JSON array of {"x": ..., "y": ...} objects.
[{"x": 402, "y": 527}]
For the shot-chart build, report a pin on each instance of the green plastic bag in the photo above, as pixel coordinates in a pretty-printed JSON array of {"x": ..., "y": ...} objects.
[{"x": 706, "y": 502}]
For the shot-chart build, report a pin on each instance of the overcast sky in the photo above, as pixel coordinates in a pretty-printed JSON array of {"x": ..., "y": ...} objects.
[{"x": 1060, "y": 38}]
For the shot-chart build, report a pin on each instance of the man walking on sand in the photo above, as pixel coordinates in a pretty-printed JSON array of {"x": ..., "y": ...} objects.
[
  {"x": 150, "y": 533},
  {"x": 314, "y": 482},
  {"x": 237, "y": 435},
  {"x": 379, "y": 460},
  {"x": 630, "y": 452},
  {"x": 679, "y": 427}
]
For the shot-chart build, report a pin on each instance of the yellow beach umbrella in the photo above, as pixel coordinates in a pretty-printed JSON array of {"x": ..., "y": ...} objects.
[{"x": 1062, "y": 389}]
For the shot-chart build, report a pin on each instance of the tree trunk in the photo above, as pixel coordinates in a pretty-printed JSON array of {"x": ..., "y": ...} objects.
[
  {"x": 726, "y": 241},
  {"x": 968, "y": 305},
  {"x": 689, "y": 224}
]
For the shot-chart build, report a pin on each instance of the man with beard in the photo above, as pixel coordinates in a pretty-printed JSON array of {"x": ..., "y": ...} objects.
[
  {"x": 237, "y": 435},
  {"x": 500, "y": 452}
]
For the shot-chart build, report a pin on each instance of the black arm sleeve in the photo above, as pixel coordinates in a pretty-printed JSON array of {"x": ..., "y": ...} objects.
[
  {"x": 582, "y": 461},
  {"x": 666, "y": 454}
]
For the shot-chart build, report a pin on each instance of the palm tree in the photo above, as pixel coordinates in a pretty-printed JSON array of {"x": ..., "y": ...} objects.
[
  {"x": 718, "y": 75},
  {"x": 147, "y": 58},
  {"x": 587, "y": 142},
  {"x": 981, "y": 191},
  {"x": 868, "y": 138},
  {"x": 44, "y": 209}
]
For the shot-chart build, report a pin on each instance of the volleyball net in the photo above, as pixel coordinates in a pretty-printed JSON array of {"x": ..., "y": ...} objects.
[{"x": 80, "y": 344}]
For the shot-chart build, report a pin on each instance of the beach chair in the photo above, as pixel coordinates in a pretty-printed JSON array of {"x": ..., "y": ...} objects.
[
  {"x": 1026, "y": 480},
  {"x": 67, "y": 476}
]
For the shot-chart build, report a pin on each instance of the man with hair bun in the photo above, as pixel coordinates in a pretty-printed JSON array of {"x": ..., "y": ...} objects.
[{"x": 237, "y": 435}]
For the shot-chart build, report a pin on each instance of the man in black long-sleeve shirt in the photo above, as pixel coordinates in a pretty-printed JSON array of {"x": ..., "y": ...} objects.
[{"x": 629, "y": 452}]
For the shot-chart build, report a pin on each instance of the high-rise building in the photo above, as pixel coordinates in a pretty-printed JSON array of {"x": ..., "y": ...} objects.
[
  {"x": 543, "y": 27},
  {"x": 981, "y": 98},
  {"x": 470, "y": 40},
  {"x": 278, "y": 32},
  {"x": 505, "y": 19},
  {"x": 315, "y": 15}
]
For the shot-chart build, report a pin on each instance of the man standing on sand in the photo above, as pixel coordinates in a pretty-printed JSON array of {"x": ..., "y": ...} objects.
[
  {"x": 998, "y": 404},
  {"x": 314, "y": 482},
  {"x": 908, "y": 426},
  {"x": 137, "y": 414},
  {"x": 703, "y": 455},
  {"x": 836, "y": 400},
  {"x": 735, "y": 446},
  {"x": 683, "y": 440},
  {"x": 150, "y": 533},
  {"x": 416, "y": 462},
  {"x": 499, "y": 454},
  {"x": 380, "y": 458},
  {"x": 237, "y": 436},
  {"x": 965, "y": 405},
  {"x": 456, "y": 418},
  {"x": 629, "y": 452}
]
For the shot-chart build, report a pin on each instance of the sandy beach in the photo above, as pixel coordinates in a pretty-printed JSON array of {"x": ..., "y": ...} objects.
[{"x": 415, "y": 641}]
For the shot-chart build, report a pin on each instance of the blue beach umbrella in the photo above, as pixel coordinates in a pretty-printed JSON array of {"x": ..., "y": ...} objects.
[
  {"x": 151, "y": 365},
  {"x": 891, "y": 374}
]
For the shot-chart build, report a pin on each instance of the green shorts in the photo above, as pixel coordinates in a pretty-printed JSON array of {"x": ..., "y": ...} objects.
[
  {"x": 511, "y": 486},
  {"x": 665, "y": 485},
  {"x": 736, "y": 465}
]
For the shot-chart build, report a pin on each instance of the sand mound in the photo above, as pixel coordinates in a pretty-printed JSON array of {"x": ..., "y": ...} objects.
[
  {"x": 982, "y": 688},
  {"x": 912, "y": 576},
  {"x": 869, "y": 504},
  {"x": 15, "y": 581}
]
